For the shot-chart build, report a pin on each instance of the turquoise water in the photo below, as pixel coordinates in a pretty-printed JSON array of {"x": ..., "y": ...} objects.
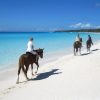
[{"x": 12, "y": 45}]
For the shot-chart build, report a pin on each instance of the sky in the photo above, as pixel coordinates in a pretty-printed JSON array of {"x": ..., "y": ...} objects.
[{"x": 45, "y": 15}]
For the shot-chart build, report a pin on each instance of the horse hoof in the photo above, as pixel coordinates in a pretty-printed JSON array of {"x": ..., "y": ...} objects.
[
  {"x": 28, "y": 79},
  {"x": 17, "y": 82}
]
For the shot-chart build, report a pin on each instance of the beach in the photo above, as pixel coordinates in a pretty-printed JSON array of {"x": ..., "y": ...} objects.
[
  {"x": 47, "y": 33},
  {"x": 66, "y": 78}
]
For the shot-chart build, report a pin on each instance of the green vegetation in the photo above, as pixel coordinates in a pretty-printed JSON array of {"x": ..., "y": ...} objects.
[{"x": 80, "y": 30}]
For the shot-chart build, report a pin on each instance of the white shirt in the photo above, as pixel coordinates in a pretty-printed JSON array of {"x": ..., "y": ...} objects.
[
  {"x": 30, "y": 47},
  {"x": 77, "y": 38}
]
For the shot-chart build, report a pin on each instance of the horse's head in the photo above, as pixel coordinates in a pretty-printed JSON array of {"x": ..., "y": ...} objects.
[{"x": 40, "y": 52}]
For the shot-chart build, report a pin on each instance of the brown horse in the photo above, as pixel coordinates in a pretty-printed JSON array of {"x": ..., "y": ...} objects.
[
  {"x": 88, "y": 44},
  {"x": 28, "y": 59},
  {"x": 77, "y": 47}
]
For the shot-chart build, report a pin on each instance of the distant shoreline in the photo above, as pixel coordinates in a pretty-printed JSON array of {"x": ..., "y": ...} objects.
[
  {"x": 80, "y": 30},
  {"x": 69, "y": 30},
  {"x": 21, "y": 32}
]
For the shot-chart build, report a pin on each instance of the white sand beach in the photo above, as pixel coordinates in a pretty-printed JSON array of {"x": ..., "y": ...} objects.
[{"x": 68, "y": 78}]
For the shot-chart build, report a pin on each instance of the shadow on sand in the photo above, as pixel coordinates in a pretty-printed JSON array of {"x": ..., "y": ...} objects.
[
  {"x": 95, "y": 49},
  {"x": 46, "y": 74},
  {"x": 89, "y": 52},
  {"x": 85, "y": 54}
]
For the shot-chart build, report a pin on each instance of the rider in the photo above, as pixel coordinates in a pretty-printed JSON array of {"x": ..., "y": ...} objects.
[
  {"x": 90, "y": 39},
  {"x": 30, "y": 48},
  {"x": 78, "y": 39}
]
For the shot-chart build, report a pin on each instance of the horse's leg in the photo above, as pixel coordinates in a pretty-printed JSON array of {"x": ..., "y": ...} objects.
[
  {"x": 37, "y": 66},
  {"x": 80, "y": 51},
  {"x": 74, "y": 52},
  {"x": 32, "y": 69},
  {"x": 89, "y": 49},
  {"x": 25, "y": 72},
  {"x": 74, "y": 48},
  {"x": 79, "y": 48},
  {"x": 19, "y": 69},
  {"x": 27, "y": 67}
]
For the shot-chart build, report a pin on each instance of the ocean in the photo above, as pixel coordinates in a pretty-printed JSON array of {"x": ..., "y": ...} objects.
[{"x": 13, "y": 44}]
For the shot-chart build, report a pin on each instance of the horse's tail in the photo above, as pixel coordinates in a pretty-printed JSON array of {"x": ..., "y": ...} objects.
[
  {"x": 74, "y": 44},
  {"x": 21, "y": 61},
  {"x": 74, "y": 48},
  {"x": 21, "y": 64}
]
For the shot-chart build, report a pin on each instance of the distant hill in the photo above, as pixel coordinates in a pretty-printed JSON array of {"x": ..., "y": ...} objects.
[{"x": 80, "y": 30}]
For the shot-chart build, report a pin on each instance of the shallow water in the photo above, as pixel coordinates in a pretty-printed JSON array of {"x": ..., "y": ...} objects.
[{"x": 12, "y": 45}]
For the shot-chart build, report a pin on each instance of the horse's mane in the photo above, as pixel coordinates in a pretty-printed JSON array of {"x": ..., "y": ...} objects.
[{"x": 39, "y": 51}]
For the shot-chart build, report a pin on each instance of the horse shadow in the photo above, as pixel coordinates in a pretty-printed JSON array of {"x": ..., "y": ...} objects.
[
  {"x": 84, "y": 54},
  {"x": 89, "y": 52},
  {"x": 95, "y": 49},
  {"x": 45, "y": 75}
]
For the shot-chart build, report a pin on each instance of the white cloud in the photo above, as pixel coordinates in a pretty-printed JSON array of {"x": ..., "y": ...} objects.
[
  {"x": 81, "y": 25},
  {"x": 86, "y": 25}
]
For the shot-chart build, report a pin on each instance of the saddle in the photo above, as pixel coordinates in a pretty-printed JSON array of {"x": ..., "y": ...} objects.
[
  {"x": 29, "y": 54},
  {"x": 77, "y": 42}
]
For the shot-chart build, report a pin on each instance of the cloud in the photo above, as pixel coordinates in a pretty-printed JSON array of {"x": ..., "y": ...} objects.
[
  {"x": 86, "y": 25},
  {"x": 97, "y": 4},
  {"x": 81, "y": 25}
]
